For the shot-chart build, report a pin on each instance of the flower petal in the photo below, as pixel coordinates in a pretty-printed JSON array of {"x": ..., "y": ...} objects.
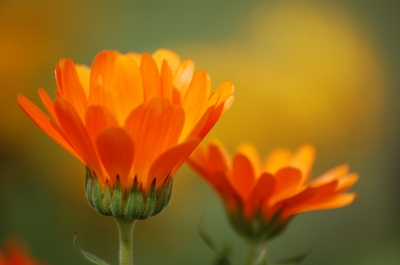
[
  {"x": 151, "y": 77},
  {"x": 243, "y": 176},
  {"x": 171, "y": 57},
  {"x": 47, "y": 102},
  {"x": 277, "y": 159},
  {"x": 200, "y": 162},
  {"x": 166, "y": 81},
  {"x": 219, "y": 157},
  {"x": 183, "y": 76},
  {"x": 73, "y": 127},
  {"x": 220, "y": 101},
  {"x": 346, "y": 182},
  {"x": 195, "y": 101},
  {"x": 165, "y": 163},
  {"x": 146, "y": 124},
  {"x": 116, "y": 151},
  {"x": 223, "y": 95},
  {"x": 97, "y": 118},
  {"x": 288, "y": 183},
  {"x": 83, "y": 72},
  {"x": 102, "y": 69},
  {"x": 46, "y": 124},
  {"x": 297, "y": 203},
  {"x": 262, "y": 191},
  {"x": 337, "y": 201},
  {"x": 72, "y": 88},
  {"x": 331, "y": 175},
  {"x": 250, "y": 151},
  {"x": 303, "y": 159}
]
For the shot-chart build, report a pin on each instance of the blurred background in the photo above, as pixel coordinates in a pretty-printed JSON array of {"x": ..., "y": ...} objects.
[{"x": 321, "y": 72}]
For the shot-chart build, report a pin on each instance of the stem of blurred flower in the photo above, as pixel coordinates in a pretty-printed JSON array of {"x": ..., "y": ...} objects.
[
  {"x": 257, "y": 254},
  {"x": 125, "y": 228}
]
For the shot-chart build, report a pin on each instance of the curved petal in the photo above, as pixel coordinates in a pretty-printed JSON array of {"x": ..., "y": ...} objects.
[
  {"x": 183, "y": 76},
  {"x": 223, "y": 95},
  {"x": 46, "y": 124},
  {"x": 346, "y": 182},
  {"x": 155, "y": 127},
  {"x": 243, "y": 176},
  {"x": 72, "y": 88},
  {"x": 164, "y": 164},
  {"x": 199, "y": 130},
  {"x": 47, "y": 102},
  {"x": 102, "y": 69},
  {"x": 297, "y": 203},
  {"x": 199, "y": 162},
  {"x": 250, "y": 151},
  {"x": 195, "y": 101},
  {"x": 223, "y": 186},
  {"x": 166, "y": 81},
  {"x": 77, "y": 135},
  {"x": 337, "y": 201},
  {"x": 164, "y": 54},
  {"x": 116, "y": 151},
  {"x": 288, "y": 183},
  {"x": 277, "y": 159},
  {"x": 262, "y": 191},
  {"x": 151, "y": 77},
  {"x": 97, "y": 118},
  {"x": 219, "y": 157},
  {"x": 102, "y": 96},
  {"x": 303, "y": 159},
  {"x": 127, "y": 86},
  {"x": 218, "y": 104},
  {"x": 83, "y": 72},
  {"x": 135, "y": 56},
  {"x": 331, "y": 175}
]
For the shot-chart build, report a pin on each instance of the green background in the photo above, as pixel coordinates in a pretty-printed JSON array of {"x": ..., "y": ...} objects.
[{"x": 322, "y": 72}]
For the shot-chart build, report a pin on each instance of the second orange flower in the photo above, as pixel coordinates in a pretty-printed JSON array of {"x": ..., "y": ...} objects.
[{"x": 262, "y": 196}]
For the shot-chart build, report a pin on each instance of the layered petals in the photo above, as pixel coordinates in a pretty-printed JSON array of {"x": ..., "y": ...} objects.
[
  {"x": 273, "y": 191},
  {"x": 130, "y": 117}
]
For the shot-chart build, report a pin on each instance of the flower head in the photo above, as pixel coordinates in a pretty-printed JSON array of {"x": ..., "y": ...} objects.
[
  {"x": 16, "y": 254},
  {"x": 262, "y": 196},
  {"x": 130, "y": 118}
]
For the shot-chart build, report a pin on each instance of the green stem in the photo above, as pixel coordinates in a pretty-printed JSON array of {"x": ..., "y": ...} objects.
[
  {"x": 257, "y": 254},
  {"x": 125, "y": 228}
]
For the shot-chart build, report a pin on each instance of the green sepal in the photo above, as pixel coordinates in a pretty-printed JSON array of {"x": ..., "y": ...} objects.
[
  {"x": 88, "y": 188},
  {"x": 163, "y": 196},
  {"x": 107, "y": 200},
  {"x": 150, "y": 202},
  {"x": 296, "y": 259},
  {"x": 89, "y": 257},
  {"x": 97, "y": 197},
  {"x": 131, "y": 205},
  {"x": 139, "y": 202},
  {"x": 135, "y": 203},
  {"x": 116, "y": 201},
  {"x": 256, "y": 228}
]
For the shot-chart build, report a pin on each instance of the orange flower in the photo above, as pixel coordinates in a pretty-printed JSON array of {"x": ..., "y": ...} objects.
[
  {"x": 261, "y": 197},
  {"x": 15, "y": 254},
  {"x": 133, "y": 118}
]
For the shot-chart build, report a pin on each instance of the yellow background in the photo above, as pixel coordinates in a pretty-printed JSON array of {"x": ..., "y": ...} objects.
[{"x": 321, "y": 72}]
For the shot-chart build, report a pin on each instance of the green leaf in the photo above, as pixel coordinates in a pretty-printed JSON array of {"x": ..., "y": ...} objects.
[
  {"x": 296, "y": 259},
  {"x": 89, "y": 257}
]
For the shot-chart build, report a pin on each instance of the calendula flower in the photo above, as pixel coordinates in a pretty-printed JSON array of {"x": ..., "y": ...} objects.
[
  {"x": 132, "y": 119},
  {"x": 16, "y": 254},
  {"x": 262, "y": 196}
]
